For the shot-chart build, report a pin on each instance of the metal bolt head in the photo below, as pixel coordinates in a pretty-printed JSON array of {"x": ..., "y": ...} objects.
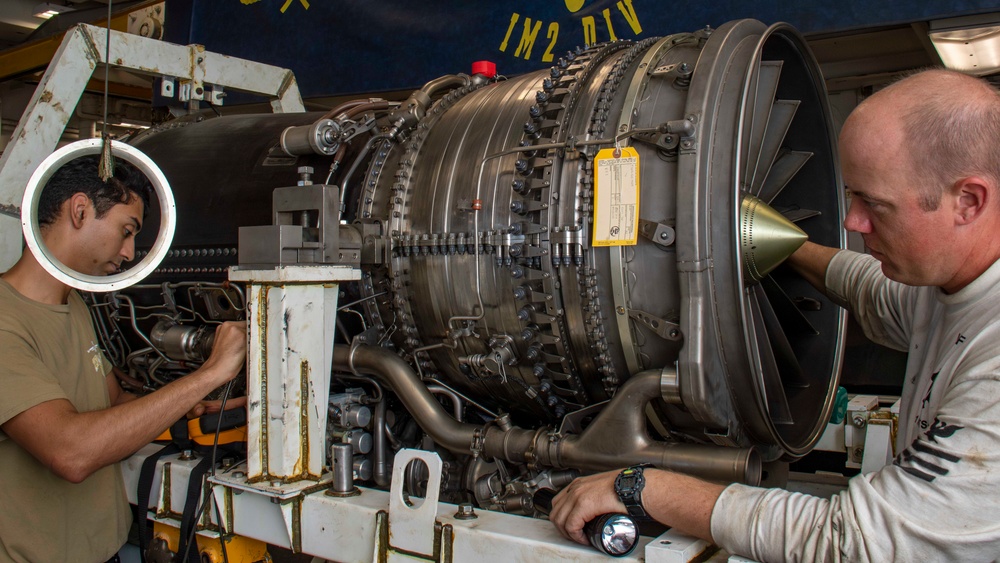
[
  {"x": 859, "y": 421},
  {"x": 466, "y": 512}
]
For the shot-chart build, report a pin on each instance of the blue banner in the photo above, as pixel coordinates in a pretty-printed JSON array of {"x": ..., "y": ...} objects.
[{"x": 357, "y": 46}]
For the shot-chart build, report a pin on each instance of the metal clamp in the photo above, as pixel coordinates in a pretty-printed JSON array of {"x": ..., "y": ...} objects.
[{"x": 478, "y": 442}]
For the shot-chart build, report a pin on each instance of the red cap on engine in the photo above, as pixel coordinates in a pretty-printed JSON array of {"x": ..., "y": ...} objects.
[{"x": 486, "y": 68}]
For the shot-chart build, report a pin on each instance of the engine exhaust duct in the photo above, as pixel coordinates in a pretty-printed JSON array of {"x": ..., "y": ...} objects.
[{"x": 616, "y": 437}]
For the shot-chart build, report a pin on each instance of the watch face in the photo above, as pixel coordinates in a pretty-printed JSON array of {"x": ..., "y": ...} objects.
[{"x": 628, "y": 482}]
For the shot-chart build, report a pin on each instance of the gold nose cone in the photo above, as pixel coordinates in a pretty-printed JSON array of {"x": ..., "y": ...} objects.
[{"x": 766, "y": 238}]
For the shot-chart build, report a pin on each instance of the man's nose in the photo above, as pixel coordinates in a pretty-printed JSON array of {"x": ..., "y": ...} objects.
[
  {"x": 857, "y": 220},
  {"x": 128, "y": 249}
]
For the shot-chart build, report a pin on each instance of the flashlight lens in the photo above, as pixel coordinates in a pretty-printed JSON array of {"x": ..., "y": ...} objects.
[{"x": 614, "y": 534}]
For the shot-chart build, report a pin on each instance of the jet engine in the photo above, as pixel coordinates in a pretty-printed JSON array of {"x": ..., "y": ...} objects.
[{"x": 491, "y": 321}]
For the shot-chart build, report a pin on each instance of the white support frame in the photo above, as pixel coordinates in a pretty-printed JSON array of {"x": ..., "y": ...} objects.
[
  {"x": 347, "y": 528},
  {"x": 291, "y": 312},
  {"x": 82, "y": 50}
]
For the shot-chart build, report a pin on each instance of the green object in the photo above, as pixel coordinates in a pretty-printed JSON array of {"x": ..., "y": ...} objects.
[{"x": 839, "y": 406}]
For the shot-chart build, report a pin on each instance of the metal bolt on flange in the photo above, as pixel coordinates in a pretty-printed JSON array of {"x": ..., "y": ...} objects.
[{"x": 466, "y": 512}]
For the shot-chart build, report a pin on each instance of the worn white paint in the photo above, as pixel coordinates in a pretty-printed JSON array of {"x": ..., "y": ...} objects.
[
  {"x": 344, "y": 529},
  {"x": 291, "y": 330},
  {"x": 59, "y": 91}
]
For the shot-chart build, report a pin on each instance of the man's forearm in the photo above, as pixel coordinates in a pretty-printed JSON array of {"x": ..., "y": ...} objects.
[
  {"x": 681, "y": 501},
  {"x": 673, "y": 499},
  {"x": 811, "y": 262},
  {"x": 74, "y": 445}
]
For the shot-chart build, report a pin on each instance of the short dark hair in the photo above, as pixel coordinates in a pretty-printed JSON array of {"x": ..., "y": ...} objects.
[{"x": 80, "y": 175}]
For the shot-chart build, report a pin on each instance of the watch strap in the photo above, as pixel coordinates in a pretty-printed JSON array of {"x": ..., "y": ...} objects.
[{"x": 629, "y": 485}]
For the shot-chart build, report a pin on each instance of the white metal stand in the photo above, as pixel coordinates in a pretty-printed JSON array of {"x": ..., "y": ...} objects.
[{"x": 291, "y": 314}]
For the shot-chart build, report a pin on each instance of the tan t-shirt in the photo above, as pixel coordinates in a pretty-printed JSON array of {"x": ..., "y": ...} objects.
[{"x": 50, "y": 352}]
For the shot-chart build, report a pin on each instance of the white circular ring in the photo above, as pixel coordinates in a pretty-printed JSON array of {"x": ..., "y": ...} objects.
[{"x": 68, "y": 276}]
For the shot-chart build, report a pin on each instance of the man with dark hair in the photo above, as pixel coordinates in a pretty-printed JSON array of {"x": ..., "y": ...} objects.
[
  {"x": 65, "y": 422},
  {"x": 80, "y": 175},
  {"x": 921, "y": 160}
]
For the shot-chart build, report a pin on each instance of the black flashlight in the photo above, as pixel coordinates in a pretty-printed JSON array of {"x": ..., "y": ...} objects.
[{"x": 613, "y": 534}]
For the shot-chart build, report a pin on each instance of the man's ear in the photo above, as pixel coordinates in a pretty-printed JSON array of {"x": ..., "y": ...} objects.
[
  {"x": 973, "y": 196},
  {"x": 80, "y": 208}
]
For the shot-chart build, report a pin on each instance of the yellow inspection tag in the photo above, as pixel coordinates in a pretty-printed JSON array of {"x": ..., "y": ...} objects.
[{"x": 616, "y": 197}]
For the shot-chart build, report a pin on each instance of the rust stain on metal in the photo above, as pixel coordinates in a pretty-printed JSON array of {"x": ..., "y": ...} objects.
[
  {"x": 93, "y": 53},
  {"x": 304, "y": 416},
  {"x": 230, "y": 512},
  {"x": 262, "y": 323},
  {"x": 382, "y": 536},
  {"x": 12, "y": 210},
  {"x": 297, "y": 525},
  {"x": 165, "y": 487},
  {"x": 46, "y": 97},
  {"x": 447, "y": 544}
]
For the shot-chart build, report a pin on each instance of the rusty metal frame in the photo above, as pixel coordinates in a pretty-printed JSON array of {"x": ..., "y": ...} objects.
[{"x": 82, "y": 51}]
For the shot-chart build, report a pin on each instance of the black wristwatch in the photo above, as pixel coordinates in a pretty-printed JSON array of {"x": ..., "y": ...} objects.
[{"x": 628, "y": 485}]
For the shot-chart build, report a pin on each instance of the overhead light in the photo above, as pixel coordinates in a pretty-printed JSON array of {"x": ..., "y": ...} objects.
[
  {"x": 132, "y": 124},
  {"x": 969, "y": 44},
  {"x": 46, "y": 10}
]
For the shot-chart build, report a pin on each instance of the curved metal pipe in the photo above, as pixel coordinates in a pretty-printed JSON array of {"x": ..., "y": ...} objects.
[
  {"x": 456, "y": 80},
  {"x": 456, "y": 403},
  {"x": 380, "y": 471},
  {"x": 393, "y": 371},
  {"x": 378, "y": 105},
  {"x": 616, "y": 438},
  {"x": 344, "y": 107},
  {"x": 357, "y": 162}
]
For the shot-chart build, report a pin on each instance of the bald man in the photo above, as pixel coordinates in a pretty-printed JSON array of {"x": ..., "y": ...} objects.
[{"x": 921, "y": 162}]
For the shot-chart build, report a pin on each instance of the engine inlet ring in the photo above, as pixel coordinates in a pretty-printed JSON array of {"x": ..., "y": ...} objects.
[{"x": 68, "y": 276}]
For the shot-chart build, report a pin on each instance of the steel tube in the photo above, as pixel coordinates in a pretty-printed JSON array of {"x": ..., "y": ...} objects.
[
  {"x": 380, "y": 469},
  {"x": 616, "y": 438},
  {"x": 343, "y": 466},
  {"x": 393, "y": 371}
]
